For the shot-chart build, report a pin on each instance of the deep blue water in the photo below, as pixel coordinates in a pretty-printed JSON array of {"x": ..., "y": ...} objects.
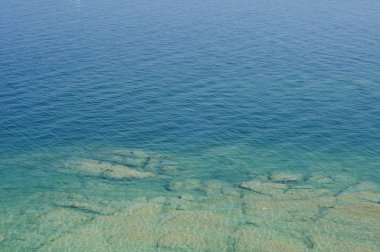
[
  {"x": 304, "y": 73},
  {"x": 296, "y": 83}
]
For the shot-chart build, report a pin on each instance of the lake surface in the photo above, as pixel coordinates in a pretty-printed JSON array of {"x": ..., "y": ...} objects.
[{"x": 189, "y": 125}]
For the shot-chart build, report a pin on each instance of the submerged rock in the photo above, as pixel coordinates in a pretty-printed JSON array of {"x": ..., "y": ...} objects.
[
  {"x": 129, "y": 161},
  {"x": 265, "y": 240},
  {"x": 81, "y": 203},
  {"x": 89, "y": 238},
  {"x": 86, "y": 207},
  {"x": 215, "y": 188},
  {"x": 271, "y": 211},
  {"x": 358, "y": 197},
  {"x": 320, "y": 179},
  {"x": 306, "y": 193},
  {"x": 2, "y": 238},
  {"x": 285, "y": 177},
  {"x": 363, "y": 186},
  {"x": 344, "y": 179},
  {"x": 162, "y": 166},
  {"x": 187, "y": 197},
  {"x": 266, "y": 188},
  {"x": 194, "y": 220},
  {"x": 226, "y": 204},
  {"x": 215, "y": 184},
  {"x": 231, "y": 191},
  {"x": 338, "y": 230},
  {"x": 60, "y": 221},
  {"x": 133, "y": 229},
  {"x": 180, "y": 203},
  {"x": 137, "y": 158},
  {"x": 108, "y": 170},
  {"x": 131, "y": 157},
  {"x": 167, "y": 167},
  {"x": 182, "y": 241},
  {"x": 366, "y": 215},
  {"x": 211, "y": 229},
  {"x": 188, "y": 184},
  {"x": 212, "y": 215},
  {"x": 360, "y": 193},
  {"x": 324, "y": 242},
  {"x": 159, "y": 200}
]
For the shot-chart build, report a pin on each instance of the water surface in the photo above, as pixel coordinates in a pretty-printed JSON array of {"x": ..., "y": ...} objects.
[{"x": 198, "y": 97}]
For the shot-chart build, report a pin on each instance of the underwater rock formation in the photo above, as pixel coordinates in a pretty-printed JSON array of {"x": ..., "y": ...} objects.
[
  {"x": 188, "y": 184},
  {"x": 273, "y": 217},
  {"x": 265, "y": 188},
  {"x": 137, "y": 159},
  {"x": 251, "y": 238},
  {"x": 182, "y": 241},
  {"x": 285, "y": 177},
  {"x": 121, "y": 164},
  {"x": 268, "y": 212},
  {"x": 108, "y": 170}
]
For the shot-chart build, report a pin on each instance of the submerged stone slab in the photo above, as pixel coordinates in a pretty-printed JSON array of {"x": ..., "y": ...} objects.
[
  {"x": 266, "y": 188},
  {"x": 137, "y": 158},
  {"x": 159, "y": 200},
  {"x": 86, "y": 207},
  {"x": 61, "y": 219},
  {"x": 188, "y": 184},
  {"x": 283, "y": 191},
  {"x": 320, "y": 178},
  {"x": 187, "y": 197},
  {"x": 214, "y": 188},
  {"x": 2, "y": 237},
  {"x": 80, "y": 203},
  {"x": 211, "y": 229},
  {"x": 182, "y": 241},
  {"x": 275, "y": 211},
  {"x": 247, "y": 239},
  {"x": 358, "y": 197},
  {"x": 179, "y": 203},
  {"x": 363, "y": 187},
  {"x": 135, "y": 227},
  {"x": 285, "y": 177},
  {"x": 344, "y": 179},
  {"x": 107, "y": 170},
  {"x": 215, "y": 184},
  {"x": 228, "y": 205},
  {"x": 303, "y": 193},
  {"x": 231, "y": 190},
  {"x": 160, "y": 165},
  {"x": 340, "y": 231},
  {"x": 323, "y": 242},
  {"x": 131, "y": 153},
  {"x": 87, "y": 239},
  {"x": 366, "y": 214},
  {"x": 195, "y": 220}
]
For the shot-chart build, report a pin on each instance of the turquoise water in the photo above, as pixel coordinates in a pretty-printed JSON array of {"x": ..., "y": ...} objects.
[{"x": 189, "y": 126}]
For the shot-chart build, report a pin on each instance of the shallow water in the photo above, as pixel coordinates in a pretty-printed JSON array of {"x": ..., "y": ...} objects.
[{"x": 191, "y": 126}]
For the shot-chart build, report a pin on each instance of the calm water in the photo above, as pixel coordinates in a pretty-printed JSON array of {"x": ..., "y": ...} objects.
[{"x": 225, "y": 91}]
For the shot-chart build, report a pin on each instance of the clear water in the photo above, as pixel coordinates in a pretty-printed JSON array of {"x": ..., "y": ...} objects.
[{"x": 215, "y": 93}]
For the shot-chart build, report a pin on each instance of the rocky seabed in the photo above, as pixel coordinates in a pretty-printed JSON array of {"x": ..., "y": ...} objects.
[{"x": 278, "y": 211}]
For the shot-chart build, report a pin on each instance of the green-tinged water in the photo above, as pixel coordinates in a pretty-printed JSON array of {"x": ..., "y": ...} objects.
[
  {"x": 192, "y": 125},
  {"x": 215, "y": 199}
]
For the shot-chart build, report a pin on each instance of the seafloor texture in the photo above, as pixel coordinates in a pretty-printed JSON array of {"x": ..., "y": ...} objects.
[
  {"x": 257, "y": 124},
  {"x": 118, "y": 199}
]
